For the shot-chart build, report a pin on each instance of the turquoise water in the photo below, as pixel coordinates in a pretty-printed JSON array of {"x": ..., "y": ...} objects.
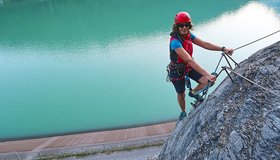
[{"x": 75, "y": 66}]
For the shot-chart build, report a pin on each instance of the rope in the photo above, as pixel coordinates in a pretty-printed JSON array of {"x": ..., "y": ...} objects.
[
  {"x": 256, "y": 40},
  {"x": 251, "y": 81},
  {"x": 224, "y": 55}
]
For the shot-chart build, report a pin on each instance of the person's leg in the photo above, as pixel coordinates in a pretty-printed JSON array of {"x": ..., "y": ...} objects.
[
  {"x": 201, "y": 83},
  {"x": 182, "y": 104},
  {"x": 201, "y": 80},
  {"x": 181, "y": 101},
  {"x": 180, "y": 89}
]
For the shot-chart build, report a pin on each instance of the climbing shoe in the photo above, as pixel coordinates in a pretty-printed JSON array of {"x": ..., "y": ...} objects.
[
  {"x": 196, "y": 96},
  {"x": 182, "y": 115}
]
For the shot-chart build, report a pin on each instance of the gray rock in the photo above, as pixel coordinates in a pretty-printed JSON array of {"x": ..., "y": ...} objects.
[{"x": 236, "y": 121}]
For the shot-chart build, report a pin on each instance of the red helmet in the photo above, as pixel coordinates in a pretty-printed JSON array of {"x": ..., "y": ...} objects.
[{"x": 182, "y": 17}]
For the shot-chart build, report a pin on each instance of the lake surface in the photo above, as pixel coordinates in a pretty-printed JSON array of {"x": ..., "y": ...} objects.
[{"x": 72, "y": 66}]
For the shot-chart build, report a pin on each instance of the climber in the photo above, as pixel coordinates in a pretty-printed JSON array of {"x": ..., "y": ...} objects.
[{"x": 182, "y": 63}]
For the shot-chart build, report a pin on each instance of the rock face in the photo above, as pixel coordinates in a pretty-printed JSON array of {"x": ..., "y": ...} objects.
[{"x": 238, "y": 120}]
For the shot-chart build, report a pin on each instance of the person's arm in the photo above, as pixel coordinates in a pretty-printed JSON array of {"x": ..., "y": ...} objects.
[
  {"x": 213, "y": 47},
  {"x": 188, "y": 59}
]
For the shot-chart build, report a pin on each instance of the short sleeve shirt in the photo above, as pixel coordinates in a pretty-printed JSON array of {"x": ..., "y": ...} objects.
[{"x": 175, "y": 43}]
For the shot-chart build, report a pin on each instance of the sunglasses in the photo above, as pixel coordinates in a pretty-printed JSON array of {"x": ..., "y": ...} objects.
[{"x": 187, "y": 25}]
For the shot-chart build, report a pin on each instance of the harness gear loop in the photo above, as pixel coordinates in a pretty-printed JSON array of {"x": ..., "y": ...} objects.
[
  {"x": 180, "y": 68},
  {"x": 168, "y": 73}
]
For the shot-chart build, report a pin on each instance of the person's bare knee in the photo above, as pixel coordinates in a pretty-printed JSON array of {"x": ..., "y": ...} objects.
[
  {"x": 181, "y": 96},
  {"x": 203, "y": 80}
]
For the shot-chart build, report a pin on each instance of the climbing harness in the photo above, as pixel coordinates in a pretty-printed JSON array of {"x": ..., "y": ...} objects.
[
  {"x": 177, "y": 64},
  {"x": 181, "y": 69}
]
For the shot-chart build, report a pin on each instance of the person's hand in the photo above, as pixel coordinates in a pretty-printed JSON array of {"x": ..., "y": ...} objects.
[
  {"x": 228, "y": 51},
  {"x": 211, "y": 78}
]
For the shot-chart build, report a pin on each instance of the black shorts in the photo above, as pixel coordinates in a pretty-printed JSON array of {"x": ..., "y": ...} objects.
[{"x": 180, "y": 85}]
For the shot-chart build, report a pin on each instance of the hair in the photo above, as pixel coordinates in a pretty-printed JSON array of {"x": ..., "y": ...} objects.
[{"x": 175, "y": 30}]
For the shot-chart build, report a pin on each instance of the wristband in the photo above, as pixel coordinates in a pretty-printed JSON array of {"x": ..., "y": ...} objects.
[{"x": 223, "y": 48}]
